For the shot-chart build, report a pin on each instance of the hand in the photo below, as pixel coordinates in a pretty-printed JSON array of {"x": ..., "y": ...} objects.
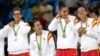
[
  {"x": 11, "y": 24},
  {"x": 58, "y": 16},
  {"x": 79, "y": 30},
  {"x": 83, "y": 31},
  {"x": 79, "y": 34},
  {"x": 67, "y": 20}
]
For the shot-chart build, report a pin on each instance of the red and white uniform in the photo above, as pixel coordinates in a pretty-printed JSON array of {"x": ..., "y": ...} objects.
[
  {"x": 65, "y": 46},
  {"x": 88, "y": 41},
  {"x": 17, "y": 45},
  {"x": 47, "y": 44}
]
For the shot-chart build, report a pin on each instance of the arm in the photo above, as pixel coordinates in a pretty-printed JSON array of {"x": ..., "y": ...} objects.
[
  {"x": 92, "y": 34},
  {"x": 89, "y": 32},
  {"x": 53, "y": 25},
  {"x": 51, "y": 45},
  {"x": 25, "y": 28},
  {"x": 4, "y": 31}
]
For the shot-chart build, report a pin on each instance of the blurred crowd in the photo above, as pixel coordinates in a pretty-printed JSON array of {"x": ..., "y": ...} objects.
[{"x": 45, "y": 10}]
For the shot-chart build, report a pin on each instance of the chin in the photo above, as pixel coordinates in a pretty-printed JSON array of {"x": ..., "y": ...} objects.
[{"x": 16, "y": 20}]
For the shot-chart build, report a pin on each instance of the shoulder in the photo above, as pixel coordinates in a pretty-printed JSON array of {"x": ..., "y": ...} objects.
[
  {"x": 45, "y": 31},
  {"x": 76, "y": 21},
  {"x": 98, "y": 21},
  {"x": 32, "y": 36},
  {"x": 49, "y": 34},
  {"x": 24, "y": 24},
  {"x": 93, "y": 21},
  {"x": 71, "y": 17}
]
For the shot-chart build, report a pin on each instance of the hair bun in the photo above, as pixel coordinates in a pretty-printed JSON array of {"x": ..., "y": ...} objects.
[{"x": 61, "y": 5}]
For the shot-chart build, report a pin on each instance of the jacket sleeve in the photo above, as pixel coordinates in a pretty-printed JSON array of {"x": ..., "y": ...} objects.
[
  {"x": 93, "y": 34},
  {"x": 4, "y": 31},
  {"x": 53, "y": 25},
  {"x": 51, "y": 46},
  {"x": 33, "y": 51},
  {"x": 25, "y": 28},
  {"x": 74, "y": 27}
]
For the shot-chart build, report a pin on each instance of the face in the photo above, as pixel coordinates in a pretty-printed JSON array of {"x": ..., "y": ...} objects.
[
  {"x": 64, "y": 12},
  {"x": 17, "y": 15},
  {"x": 37, "y": 26},
  {"x": 92, "y": 15},
  {"x": 82, "y": 12}
]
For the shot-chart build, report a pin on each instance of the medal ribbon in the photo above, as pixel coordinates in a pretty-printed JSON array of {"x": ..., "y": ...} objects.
[
  {"x": 39, "y": 43},
  {"x": 16, "y": 31},
  {"x": 63, "y": 29},
  {"x": 85, "y": 24}
]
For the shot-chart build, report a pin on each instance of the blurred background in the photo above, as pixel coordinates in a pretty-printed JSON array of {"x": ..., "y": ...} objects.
[
  {"x": 44, "y": 10},
  {"x": 31, "y": 8}
]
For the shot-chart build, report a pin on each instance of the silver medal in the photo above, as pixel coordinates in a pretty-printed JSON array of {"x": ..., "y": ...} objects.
[
  {"x": 64, "y": 35},
  {"x": 39, "y": 53},
  {"x": 15, "y": 39}
]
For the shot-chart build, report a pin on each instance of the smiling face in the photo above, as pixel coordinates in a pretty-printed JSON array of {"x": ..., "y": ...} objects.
[
  {"x": 17, "y": 15},
  {"x": 37, "y": 27},
  {"x": 82, "y": 13}
]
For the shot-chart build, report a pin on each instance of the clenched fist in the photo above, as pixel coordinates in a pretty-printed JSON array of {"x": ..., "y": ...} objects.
[{"x": 11, "y": 24}]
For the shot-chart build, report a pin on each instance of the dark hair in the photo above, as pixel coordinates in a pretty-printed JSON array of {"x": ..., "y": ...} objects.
[
  {"x": 61, "y": 5},
  {"x": 17, "y": 8},
  {"x": 32, "y": 21},
  {"x": 31, "y": 24},
  {"x": 78, "y": 18},
  {"x": 83, "y": 7},
  {"x": 94, "y": 10}
]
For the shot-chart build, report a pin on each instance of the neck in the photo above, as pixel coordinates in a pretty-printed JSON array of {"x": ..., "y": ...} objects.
[
  {"x": 84, "y": 19},
  {"x": 17, "y": 22},
  {"x": 65, "y": 17},
  {"x": 38, "y": 32}
]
